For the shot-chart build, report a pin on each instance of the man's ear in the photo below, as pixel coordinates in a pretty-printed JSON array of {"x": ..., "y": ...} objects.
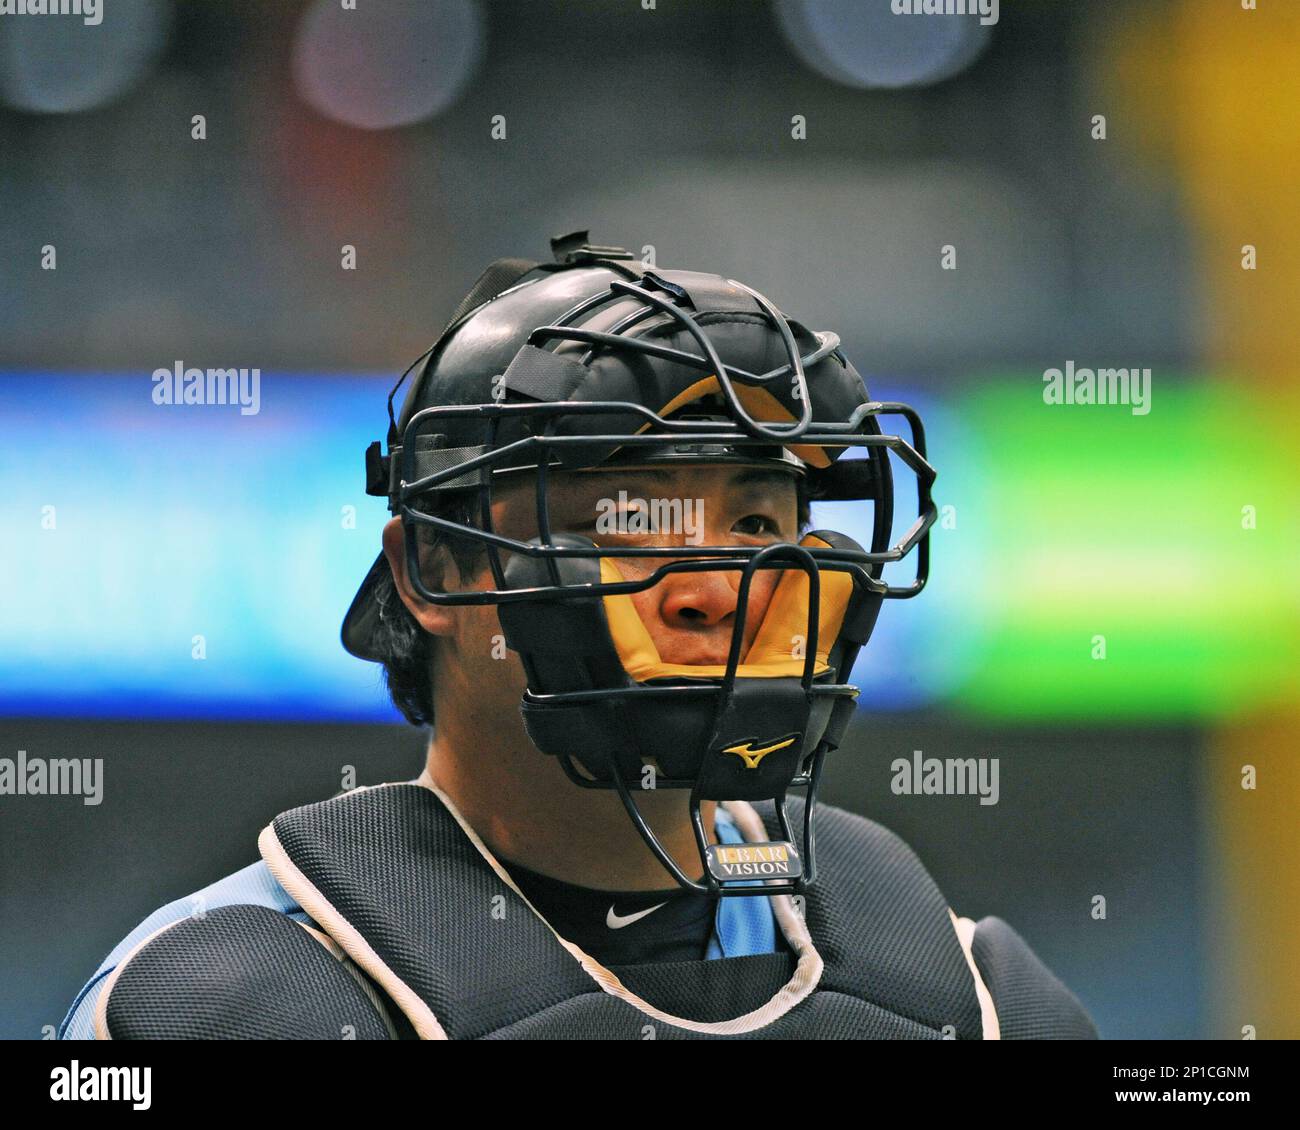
[{"x": 436, "y": 619}]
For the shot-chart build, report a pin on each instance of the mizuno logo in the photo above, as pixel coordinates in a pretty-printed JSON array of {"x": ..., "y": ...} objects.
[
  {"x": 618, "y": 921},
  {"x": 751, "y": 756}
]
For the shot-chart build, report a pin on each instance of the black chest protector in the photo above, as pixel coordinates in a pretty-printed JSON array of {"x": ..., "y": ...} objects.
[{"x": 441, "y": 945}]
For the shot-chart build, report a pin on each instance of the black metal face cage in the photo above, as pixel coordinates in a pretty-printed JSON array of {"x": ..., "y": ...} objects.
[{"x": 534, "y": 452}]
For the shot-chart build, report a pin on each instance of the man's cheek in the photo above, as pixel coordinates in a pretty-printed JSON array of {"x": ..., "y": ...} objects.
[{"x": 760, "y": 600}]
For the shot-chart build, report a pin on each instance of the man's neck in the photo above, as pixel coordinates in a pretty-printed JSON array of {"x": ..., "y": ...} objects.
[{"x": 527, "y": 811}]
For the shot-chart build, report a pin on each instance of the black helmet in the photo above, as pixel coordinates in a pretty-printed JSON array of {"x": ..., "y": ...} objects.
[{"x": 595, "y": 360}]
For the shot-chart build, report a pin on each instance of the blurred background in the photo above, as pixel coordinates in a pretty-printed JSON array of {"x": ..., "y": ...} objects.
[{"x": 179, "y": 184}]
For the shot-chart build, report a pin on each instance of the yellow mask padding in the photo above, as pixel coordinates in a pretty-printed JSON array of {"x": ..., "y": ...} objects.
[
  {"x": 769, "y": 656},
  {"x": 759, "y": 403}
]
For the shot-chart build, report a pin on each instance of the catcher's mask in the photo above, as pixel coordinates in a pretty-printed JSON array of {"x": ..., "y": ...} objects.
[{"x": 597, "y": 361}]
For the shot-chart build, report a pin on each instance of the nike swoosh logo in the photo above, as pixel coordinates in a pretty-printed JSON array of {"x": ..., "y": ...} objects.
[{"x": 618, "y": 921}]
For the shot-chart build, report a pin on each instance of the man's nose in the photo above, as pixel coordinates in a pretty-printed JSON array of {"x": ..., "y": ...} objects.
[{"x": 697, "y": 600}]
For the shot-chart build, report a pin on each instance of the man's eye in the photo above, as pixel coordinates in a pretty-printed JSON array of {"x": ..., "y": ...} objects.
[{"x": 755, "y": 525}]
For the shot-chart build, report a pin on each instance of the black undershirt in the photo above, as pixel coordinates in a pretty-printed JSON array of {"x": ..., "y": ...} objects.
[{"x": 597, "y": 921}]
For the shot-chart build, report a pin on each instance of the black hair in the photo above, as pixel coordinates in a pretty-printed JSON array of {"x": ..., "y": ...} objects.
[{"x": 406, "y": 649}]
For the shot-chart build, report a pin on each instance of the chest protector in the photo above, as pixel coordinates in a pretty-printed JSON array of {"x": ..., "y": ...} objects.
[{"x": 440, "y": 944}]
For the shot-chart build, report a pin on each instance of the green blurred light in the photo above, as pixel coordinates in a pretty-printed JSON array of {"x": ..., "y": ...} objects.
[{"x": 1099, "y": 522}]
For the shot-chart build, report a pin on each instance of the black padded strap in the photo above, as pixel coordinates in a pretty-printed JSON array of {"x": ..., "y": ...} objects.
[
  {"x": 710, "y": 990},
  {"x": 394, "y": 865},
  {"x": 542, "y": 375},
  {"x": 882, "y": 925},
  {"x": 430, "y": 458},
  {"x": 706, "y": 292}
]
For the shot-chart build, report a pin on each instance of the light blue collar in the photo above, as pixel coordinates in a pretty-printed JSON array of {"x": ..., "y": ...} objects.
[{"x": 743, "y": 926}]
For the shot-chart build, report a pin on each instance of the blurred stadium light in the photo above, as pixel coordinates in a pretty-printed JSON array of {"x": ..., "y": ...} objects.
[
  {"x": 62, "y": 64},
  {"x": 384, "y": 65},
  {"x": 864, "y": 43}
]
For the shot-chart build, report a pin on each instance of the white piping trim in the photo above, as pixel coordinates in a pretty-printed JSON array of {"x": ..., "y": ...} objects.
[
  {"x": 988, "y": 1014},
  {"x": 807, "y": 972},
  {"x": 323, "y": 913},
  {"x": 346, "y": 963},
  {"x": 101, "y": 1002},
  {"x": 332, "y": 947}
]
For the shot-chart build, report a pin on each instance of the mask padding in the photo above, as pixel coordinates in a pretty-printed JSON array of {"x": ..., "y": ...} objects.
[
  {"x": 567, "y": 641},
  {"x": 569, "y": 647},
  {"x": 864, "y": 605}
]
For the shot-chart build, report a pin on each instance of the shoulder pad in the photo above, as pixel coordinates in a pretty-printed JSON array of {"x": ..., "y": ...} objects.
[
  {"x": 236, "y": 972},
  {"x": 1031, "y": 1003},
  {"x": 881, "y": 922}
]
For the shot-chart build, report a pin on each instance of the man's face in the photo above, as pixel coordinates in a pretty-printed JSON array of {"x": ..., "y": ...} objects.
[{"x": 690, "y": 615}]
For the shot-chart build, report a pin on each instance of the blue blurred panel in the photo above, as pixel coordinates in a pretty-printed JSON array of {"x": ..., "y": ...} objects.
[
  {"x": 171, "y": 522},
  {"x": 178, "y": 521}
]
